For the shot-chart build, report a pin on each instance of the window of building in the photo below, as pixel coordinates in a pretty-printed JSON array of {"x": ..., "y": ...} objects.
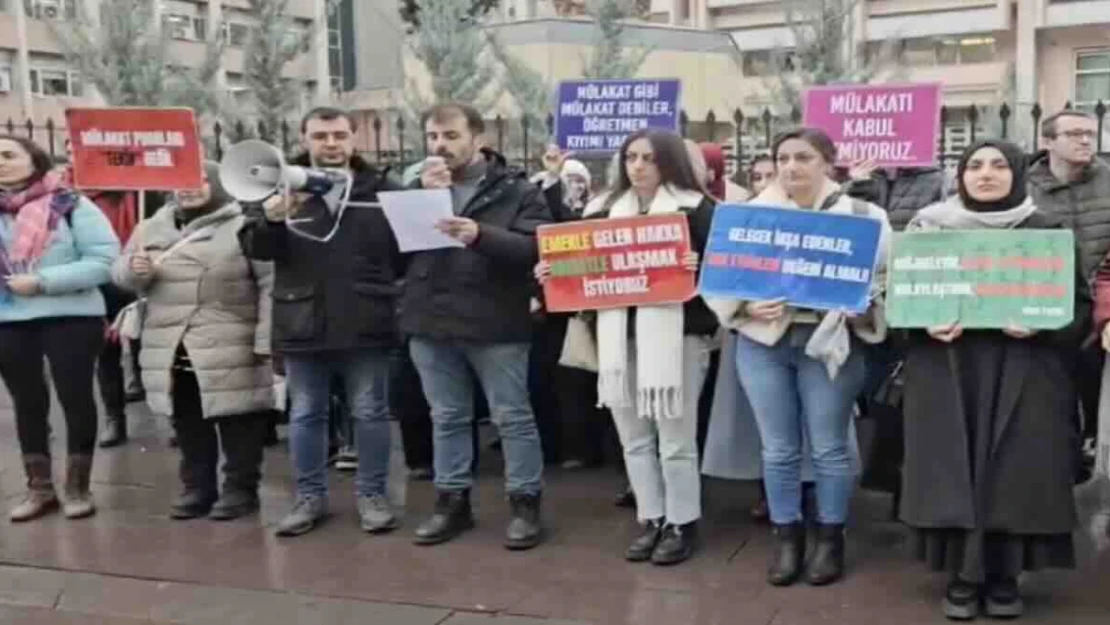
[
  {"x": 934, "y": 51},
  {"x": 55, "y": 82},
  {"x": 5, "y": 79},
  {"x": 767, "y": 62},
  {"x": 237, "y": 34},
  {"x": 335, "y": 48},
  {"x": 180, "y": 27},
  {"x": 51, "y": 9},
  {"x": 1092, "y": 78}
]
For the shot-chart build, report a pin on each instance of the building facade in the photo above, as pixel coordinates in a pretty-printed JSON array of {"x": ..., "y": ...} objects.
[{"x": 37, "y": 84}]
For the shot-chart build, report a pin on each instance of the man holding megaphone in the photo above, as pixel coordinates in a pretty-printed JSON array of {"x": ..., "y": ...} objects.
[
  {"x": 467, "y": 310},
  {"x": 336, "y": 271}
]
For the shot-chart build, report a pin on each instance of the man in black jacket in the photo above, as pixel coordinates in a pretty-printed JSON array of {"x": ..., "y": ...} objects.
[
  {"x": 334, "y": 298},
  {"x": 467, "y": 310}
]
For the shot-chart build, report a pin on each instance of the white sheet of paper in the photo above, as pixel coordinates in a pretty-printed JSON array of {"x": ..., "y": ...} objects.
[{"x": 413, "y": 215}]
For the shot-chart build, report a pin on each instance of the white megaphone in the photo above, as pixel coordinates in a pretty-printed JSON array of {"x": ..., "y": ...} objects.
[{"x": 253, "y": 170}]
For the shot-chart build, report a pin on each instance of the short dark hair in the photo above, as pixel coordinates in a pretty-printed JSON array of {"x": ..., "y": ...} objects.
[
  {"x": 328, "y": 113},
  {"x": 815, "y": 137},
  {"x": 760, "y": 158},
  {"x": 41, "y": 162},
  {"x": 449, "y": 110},
  {"x": 1048, "y": 126}
]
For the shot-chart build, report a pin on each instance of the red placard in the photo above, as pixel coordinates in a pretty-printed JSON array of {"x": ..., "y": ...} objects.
[
  {"x": 616, "y": 263},
  {"x": 134, "y": 149}
]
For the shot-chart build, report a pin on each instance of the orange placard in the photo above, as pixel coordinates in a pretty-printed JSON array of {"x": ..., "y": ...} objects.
[
  {"x": 134, "y": 149},
  {"x": 616, "y": 263}
]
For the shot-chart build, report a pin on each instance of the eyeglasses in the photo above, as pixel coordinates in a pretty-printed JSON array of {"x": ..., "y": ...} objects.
[{"x": 1076, "y": 135}]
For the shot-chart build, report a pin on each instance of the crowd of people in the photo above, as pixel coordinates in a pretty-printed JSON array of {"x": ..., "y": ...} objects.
[{"x": 981, "y": 435}]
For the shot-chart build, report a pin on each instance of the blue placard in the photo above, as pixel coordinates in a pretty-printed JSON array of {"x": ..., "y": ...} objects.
[
  {"x": 811, "y": 259},
  {"x": 596, "y": 115}
]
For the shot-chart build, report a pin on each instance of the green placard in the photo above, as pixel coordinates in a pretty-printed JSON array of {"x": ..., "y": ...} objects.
[{"x": 982, "y": 278}]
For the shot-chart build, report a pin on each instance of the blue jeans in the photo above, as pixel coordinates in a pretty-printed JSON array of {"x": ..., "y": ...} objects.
[
  {"x": 502, "y": 370},
  {"x": 790, "y": 391},
  {"x": 364, "y": 374}
]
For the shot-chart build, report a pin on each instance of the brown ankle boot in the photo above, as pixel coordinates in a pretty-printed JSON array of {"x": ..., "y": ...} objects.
[
  {"x": 40, "y": 498},
  {"x": 78, "y": 501}
]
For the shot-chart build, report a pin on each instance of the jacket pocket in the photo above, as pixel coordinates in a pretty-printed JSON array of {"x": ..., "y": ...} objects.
[
  {"x": 294, "y": 315},
  {"x": 374, "y": 309}
]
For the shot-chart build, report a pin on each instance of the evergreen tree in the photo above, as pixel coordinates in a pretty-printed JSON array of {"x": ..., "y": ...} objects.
[
  {"x": 533, "y": 95},
  {"x": 611, "y": 58},
  {"x": 410, "y": 10},
  {"x": 456, "y": 55},
  {"x": 274, "y": 43},
  {"x": 124, "y": 56},
  {"x": 824, "y": 52}
]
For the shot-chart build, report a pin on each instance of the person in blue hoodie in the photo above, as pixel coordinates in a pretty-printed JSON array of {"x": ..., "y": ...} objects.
[{"x": 56, "y": 249}]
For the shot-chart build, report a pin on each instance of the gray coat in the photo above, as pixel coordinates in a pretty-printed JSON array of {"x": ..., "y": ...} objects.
[{"x": 212, "y": 300}]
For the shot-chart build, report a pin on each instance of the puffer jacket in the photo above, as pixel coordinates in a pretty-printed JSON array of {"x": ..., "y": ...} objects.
[
  {"x": 208, "y": 298},
  {"x": 1083, "y": 205},
  {"x": 909, "y": 191}
]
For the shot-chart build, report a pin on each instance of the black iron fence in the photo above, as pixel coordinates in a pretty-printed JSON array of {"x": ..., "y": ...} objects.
[{"x": 389, "y": 139}]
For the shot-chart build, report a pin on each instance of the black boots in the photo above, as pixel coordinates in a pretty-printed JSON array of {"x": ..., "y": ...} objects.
[
  {"x": 676, "y": 544},
  {"x": 644, "y": 545},
  {"x": 525, "y": 530},
  {"x": 114, "y": 432},
  {"x": 789, "y": 554},
  {"x": 827, "y": 564},
  {"x": 241, "y": 439},
  {"x": 452, "y": 516},
  {"x": 199, "y": 457}
]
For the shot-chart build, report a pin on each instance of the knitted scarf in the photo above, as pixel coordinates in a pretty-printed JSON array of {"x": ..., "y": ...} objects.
[{"x": 37, "y": 209}]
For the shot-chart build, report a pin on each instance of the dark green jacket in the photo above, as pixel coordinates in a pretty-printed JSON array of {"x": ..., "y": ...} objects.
[{"x": 1083, "y": 206}]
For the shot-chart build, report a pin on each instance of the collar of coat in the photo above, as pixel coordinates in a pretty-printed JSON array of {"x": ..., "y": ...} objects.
[
  {"x": 775, "y": 195},
  {"x": 1040, "y": 173},
  {"x": 161, "y": 231},
  {"x": 684, "y": 198}
]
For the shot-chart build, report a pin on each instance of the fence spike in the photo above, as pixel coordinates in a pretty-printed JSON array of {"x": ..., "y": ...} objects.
[
  {"x": 738, "y": 117},
  {"x": 683, "y": 122}
]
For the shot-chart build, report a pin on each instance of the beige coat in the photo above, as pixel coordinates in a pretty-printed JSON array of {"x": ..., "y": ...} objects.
[{"x": 210, "y": 298}]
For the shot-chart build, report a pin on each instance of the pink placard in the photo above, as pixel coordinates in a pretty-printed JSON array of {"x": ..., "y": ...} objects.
[{"x": 893, "y": 125}]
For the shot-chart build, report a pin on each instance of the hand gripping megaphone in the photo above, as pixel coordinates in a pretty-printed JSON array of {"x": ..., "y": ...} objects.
[{"x": 252, "y": 171}]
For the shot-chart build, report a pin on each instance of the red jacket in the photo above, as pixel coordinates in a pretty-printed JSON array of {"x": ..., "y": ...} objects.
[{"x": 1102, "y": 295}]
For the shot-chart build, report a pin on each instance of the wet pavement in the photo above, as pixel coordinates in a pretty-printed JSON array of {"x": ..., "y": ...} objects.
[{"x": 130, "y": 564}]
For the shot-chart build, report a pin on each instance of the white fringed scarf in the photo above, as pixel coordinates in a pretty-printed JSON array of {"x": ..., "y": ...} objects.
[{"x": 658, "y": 333}]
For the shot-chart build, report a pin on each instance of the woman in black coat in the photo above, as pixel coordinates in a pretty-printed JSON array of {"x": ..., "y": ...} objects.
[{"x": 990, "y": 415}]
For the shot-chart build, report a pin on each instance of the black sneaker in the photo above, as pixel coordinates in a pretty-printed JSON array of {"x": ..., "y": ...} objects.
[
  {"x": 961, "y": 601},
  {"x": 1003, "y": 599}
]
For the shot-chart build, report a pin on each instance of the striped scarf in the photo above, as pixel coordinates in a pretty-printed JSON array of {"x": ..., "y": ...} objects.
[{"x": 37, "y": 210}]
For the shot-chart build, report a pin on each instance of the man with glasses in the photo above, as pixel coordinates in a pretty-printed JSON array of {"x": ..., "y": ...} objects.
[
  {"x": 1068, "y": 179},
  {"x": 336, "y": 274}
]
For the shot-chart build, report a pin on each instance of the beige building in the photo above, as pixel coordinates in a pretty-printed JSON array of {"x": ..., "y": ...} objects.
[{"x": 36, "y": 83}]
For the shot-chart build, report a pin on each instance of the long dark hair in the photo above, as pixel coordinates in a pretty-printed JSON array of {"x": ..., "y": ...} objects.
[
  {"x": 41, "y": 162},
  {"x": 670, "y": 157}
]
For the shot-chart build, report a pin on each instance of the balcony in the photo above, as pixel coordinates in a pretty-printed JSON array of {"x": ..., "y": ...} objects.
[{"x": 1059, "y": 13}]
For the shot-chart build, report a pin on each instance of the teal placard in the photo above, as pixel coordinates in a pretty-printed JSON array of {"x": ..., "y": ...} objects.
[{"x": 982, "y": 279}]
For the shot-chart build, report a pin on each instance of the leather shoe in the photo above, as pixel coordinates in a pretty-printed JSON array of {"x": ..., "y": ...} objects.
[
  {"x": 452, "y": 516},
  {"x": 525, "y": 529},
  {"x": 641, "y": 549},
  {"x": 192, "y": 504},
  {"x": 234, "y": 504},
  {"x": 827, "y": 565},
  {"x": 676, "y": 544},
  {"x": 789, "y": 554}
]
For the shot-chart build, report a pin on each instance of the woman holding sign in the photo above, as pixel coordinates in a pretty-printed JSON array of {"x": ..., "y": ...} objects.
[
  {"x": 990, "y": 418},
  {"x": 796, "y": 378},
  {"x": 653, "y": 359},
  {"x": 206, "y": 344}
]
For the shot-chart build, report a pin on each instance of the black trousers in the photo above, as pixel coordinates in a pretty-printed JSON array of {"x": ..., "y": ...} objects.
[
  {"x": 70, "y": 345},
  {"x": 200, "y": 441},
  {"x": 543, "y": 360},
  {"x": 109, "y": 367},
  {"x": 588, "y": 432}
]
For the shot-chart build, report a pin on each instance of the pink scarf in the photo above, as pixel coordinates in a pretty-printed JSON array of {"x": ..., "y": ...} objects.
[{"x": 37, "y": 210}]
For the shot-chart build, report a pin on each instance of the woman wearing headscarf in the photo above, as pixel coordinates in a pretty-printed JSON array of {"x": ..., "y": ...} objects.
[
  {"x": 989, "y": 434},
  {"x": 206, "y": 344},
  {"x": 718, "y": 184},
  {"x": 56, "y": 249},
  {"x": 653, "y": 359},
  {"x": 801, "y": 370}
]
